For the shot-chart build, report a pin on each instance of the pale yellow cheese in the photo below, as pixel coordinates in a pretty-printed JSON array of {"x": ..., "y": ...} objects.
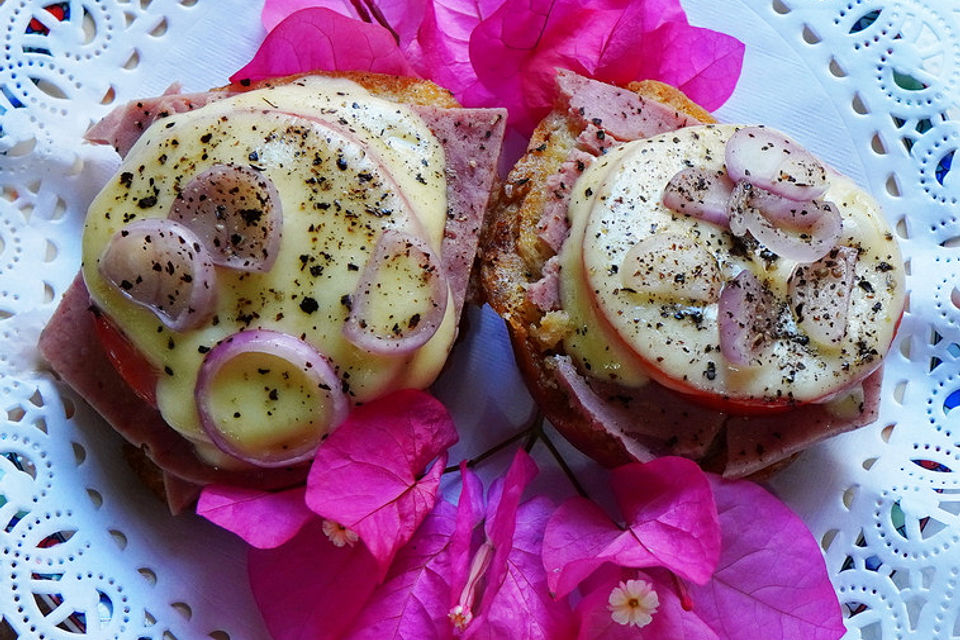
[
  {"x": 347, "y": 166},
  {"x": 678, "y": 336}
]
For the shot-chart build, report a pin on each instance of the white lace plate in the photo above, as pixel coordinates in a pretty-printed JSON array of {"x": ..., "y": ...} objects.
[{"x": 86, "y": 552}]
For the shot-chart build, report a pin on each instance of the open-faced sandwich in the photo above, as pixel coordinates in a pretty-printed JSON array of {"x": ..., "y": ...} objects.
[
  {"x": 267, "y": 257},
  {"x": 677, "y": 286}
]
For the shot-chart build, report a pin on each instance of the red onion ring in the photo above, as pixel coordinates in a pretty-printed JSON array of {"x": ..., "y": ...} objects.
[
  {"x": 790, "y": 214},
  {"x": 700, "y": 193},
  {"x": 162, "y": 265},
  {"x": 305, "y": 363},
  {"x": 807, "y": 245},
  {"x": 820, "y": 295},
  {"x": 769, "y": 159},
  {"x": 236, "y": 213},
  {"x": 390, "y": 335},
  {"x": 746, "y": 316}
]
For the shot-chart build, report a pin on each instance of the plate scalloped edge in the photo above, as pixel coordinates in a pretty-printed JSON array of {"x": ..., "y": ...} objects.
[{"x": 82, "y": 544}]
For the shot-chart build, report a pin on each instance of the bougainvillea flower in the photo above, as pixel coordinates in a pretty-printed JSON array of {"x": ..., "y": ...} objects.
[
  {"x": 369, "y": 474},
  {"x": 500, "y": 588},
  {"x": 413, "y": 600},
  {"x": 244, "y": 512},
  {"x": 670, "y": 521},
  {"x": 771, "y": 574},
  {"x": 603, "y": 616},
  {"x": 310, "y": 588},
  {"x": 401, "y": 17},
  {"x": 503, "y": 53},
  {"x": 522, "y": 607},
  {"x": 320, "y": 38}
]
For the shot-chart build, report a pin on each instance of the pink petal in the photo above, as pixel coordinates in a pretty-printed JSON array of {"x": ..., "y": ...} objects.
[
  {"x": 441, "y": 51},
  {"x": 412, "y": 601},
  {"x": 502, "y": 503},
  {"x": 469, "y": 514},
  {"x": 702, "y": 63},
  {"x": 275, "y": 11},
  {"x": 321, "y": 39},
  {"x": 580, "y": 538},
  {"x": 365, "y": 476},
  {"x": 402, "y": 16},
  {"x": 308, "y": 588},
  {"x": 669, "y": 621},
  {"x": 669, "y": 507},
  {"x": 264, "y": 519},
  {"x": 671, "y": 522},
  {"x": 522, "y": 608},
  {"x": 771, "y": 574},
  {"x": 516, "y": 50}
]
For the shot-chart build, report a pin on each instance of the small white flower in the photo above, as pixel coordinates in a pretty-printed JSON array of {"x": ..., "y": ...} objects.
[
  {"x": 633, "y": 603},
  {"x": 339, "y": 535},
  {"x": 460, "y": 616}
]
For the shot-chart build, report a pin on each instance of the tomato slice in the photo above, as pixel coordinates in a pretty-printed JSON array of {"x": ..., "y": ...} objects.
[{"x": 132, "y": 366}]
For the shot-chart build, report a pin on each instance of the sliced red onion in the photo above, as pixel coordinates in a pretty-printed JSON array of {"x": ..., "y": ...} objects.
[
  {"x": 820, "y": 295},
  {"x": 246, "y": 381},
  {"x": 672, "y": 265},
  {"x": 162, "y": 265},
  {"x": 769, "y": 159},
  {"x": 236, "y": 212},
  {"x": 805, "y": 245},
  {"x": 401, "y": 297},
  {"x": 790, "y": 214},
  {"x": 700, "y": 193},
  {"x": 746, "y": 319}
]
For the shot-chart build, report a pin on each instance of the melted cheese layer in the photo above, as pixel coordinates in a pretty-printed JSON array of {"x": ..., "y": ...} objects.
[
  {"x": 347, "y": 166},
  {"x": 617, "y": 203}
]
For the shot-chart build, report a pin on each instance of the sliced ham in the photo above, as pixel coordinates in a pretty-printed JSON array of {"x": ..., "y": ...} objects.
[
  {"x": 122, "y": 127},
  {"x": 755, "y": 442},
  {"x": 545, "y": 292},
  {"x": 620, "y": 112},
  {"x": 471, "y": 140},
  {"x": 652, "y": 420},
  {"x": 596, "y": 140},
  {"x": 553, "y": 226},
  {"x": 648, "y": 420}
]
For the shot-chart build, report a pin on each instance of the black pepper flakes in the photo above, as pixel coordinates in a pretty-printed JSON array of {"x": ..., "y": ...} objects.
[{"x": 309, "y": 305}]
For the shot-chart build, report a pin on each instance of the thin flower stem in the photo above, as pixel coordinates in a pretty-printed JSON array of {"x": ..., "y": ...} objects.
[
  {"x": 563, "y": 463},
  {"x": 492, "y": 450},
  {"x": 536, "y": 430}
]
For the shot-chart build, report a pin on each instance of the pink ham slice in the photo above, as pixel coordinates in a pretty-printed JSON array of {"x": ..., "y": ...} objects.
[
  {"x": 69, "y": 343},
  {"x": 649, "y": 421},
  {"x": 471, "y": 140},
  {"x": 755, "y": 442},
  {"x": 608, "y": 116},
  {"x": 545, "y": 292},
  {"x": 620, "y": 113},
  {"x": 652, "y": 421},
  {"x": 553, "y": 226},
  {"x": 122, "y": 127}
]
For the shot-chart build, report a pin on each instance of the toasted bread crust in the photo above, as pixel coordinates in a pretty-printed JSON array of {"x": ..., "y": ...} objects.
[
  {"x": 513, "y": 256},
  {"x": 396, "y": 88}
]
